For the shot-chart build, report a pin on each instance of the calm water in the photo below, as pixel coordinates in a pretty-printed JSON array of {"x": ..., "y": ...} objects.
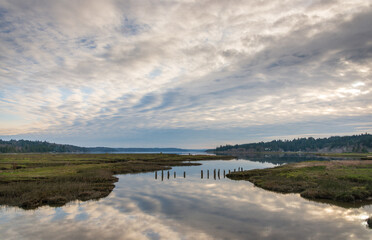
[{"x": 142, "y": 207}]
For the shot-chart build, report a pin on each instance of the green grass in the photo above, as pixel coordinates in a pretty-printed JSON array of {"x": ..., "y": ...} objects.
[
  {"x": 340, "y": 181},
  {"x": 33, "y": 180},
  {"x": 348, "y": 155}
]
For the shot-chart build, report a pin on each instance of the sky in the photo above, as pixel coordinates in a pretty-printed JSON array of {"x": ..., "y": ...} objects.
[{"x": 184, "y": 73}]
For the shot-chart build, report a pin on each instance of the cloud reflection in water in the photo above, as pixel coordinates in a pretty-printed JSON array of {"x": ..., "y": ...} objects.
[{"x": 141, "y": 207}]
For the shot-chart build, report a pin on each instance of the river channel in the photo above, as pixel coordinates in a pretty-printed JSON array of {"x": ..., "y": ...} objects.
[{"x": 187, "y": 205}]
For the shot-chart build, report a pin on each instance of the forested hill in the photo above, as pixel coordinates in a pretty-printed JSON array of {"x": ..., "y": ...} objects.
[
  {"x": 25, "y": 146},
  {"x": 355, "y": 143}
]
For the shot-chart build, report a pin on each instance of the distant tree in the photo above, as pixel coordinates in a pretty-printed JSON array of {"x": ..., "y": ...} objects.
[{"x": 356, "y": 143}]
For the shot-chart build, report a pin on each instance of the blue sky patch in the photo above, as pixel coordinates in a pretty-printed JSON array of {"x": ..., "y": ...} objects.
[
  {"x": 130, "y": 27},
  {"x": 87, "y": 43},
  {"x": 155, "y": 73},
  {"x": 65, "y": 93}
]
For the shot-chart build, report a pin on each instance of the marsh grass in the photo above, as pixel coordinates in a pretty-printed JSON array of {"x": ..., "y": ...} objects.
[
  {"x": 340, "y": 181},
  {"x": 55, "y": 179}
]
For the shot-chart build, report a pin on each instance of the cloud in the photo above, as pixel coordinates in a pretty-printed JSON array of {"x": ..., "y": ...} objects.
[{"x": 190, "y": 65}]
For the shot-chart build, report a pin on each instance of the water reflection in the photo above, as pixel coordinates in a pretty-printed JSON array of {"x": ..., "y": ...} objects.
[{"x": 141, "y": 207}]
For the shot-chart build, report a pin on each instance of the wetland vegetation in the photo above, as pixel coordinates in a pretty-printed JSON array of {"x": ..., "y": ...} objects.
[
  {"x": 33, "y": 180},
  {"x": 340, "y": 181}
]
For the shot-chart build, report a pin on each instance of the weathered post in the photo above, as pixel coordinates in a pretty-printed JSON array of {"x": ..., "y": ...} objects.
[
  {"x": 242, "y": 169},
  {"x": 234, "y": 169},
  {"x": 218, "y": 173},
  {"x": 208, "y": 174},
  {"x": 174, "y": 174},
  {"x": 214, "y": 174},
  {"x": 224, "y": 173},
  {"x": 168, "y": 174},
  {"x": 184, "y": 174},
  {"x": 162, "y": 175},
  {"x": 201, "y": 174},
  {"x": 156, "y": 175},
  {"x": 229, "y": 171}
]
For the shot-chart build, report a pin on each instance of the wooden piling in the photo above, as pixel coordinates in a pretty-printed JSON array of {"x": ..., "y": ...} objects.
[
  {"x": 168, "y": 174},
  {"x": 214, "y": 174},
  {"x": 156, "y": 175},
  {"x": 184, "y": 174},
  {"x": 229, "y": 171},
  {"x": 174, "y": 174},
  {"x": 162, "y": 175},
  {"x": 218, "y": 174},
  {"x": 208, "y": 174},
  {"x": 201, "y": 174},
  {"x": 224, "y": 173}
]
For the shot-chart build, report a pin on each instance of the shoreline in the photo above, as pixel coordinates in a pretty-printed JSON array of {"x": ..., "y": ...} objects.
[
  {"x": 325, "y": 154},
  {"x": 341, "y": 181}
]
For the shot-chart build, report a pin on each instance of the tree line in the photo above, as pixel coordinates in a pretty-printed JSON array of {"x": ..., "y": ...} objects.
[
  {"x": 355, "y": 143},
  {"x": 26, "y": 146}
]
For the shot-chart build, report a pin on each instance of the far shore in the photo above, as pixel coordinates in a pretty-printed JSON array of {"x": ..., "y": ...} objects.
[{"x": 326, "y": 154}]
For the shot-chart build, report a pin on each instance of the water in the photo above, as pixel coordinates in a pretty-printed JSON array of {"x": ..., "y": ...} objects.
[
  {"x": 185, "y": 152},
  {"x": 142, "y": 207}
]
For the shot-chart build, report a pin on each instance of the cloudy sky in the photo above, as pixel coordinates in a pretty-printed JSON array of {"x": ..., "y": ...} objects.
[{"x": 184, "y": 73}]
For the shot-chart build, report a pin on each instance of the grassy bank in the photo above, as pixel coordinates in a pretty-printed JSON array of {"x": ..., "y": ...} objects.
[
  {"x": 32, "y": 180},
  {"x": 340, "y": 181},
  {"x": 365, "y": 156}
]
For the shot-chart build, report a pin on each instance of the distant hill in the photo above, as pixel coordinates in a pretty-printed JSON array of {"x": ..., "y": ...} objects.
[
  {"x": 133, "y": 150},
  {"x": 26, "y": 146},
  {"x": 355, "y": 143}
]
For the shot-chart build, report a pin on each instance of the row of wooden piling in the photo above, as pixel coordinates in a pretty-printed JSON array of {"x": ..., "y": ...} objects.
[
  {"x": 216, "y": 173},
  {"x": 168, "y": 175}
]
